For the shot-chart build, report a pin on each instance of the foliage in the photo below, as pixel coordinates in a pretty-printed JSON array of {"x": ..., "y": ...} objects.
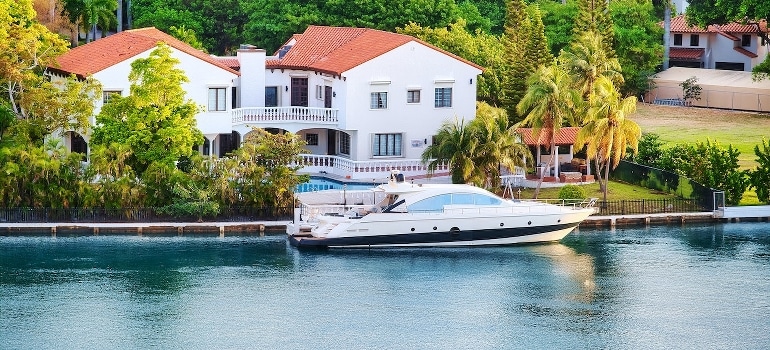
[
  {"x": 759, "y": 178},
  {"x": 186, "y": 35},
  {"x": 637, "y": 43},
  {"x": 593, "y": 16},
  {"x": 710, "y": 165},
  {"x": 690, "y": 89},
  {"x": 155, "y": 120},
  {"x": 476, "y": 151},
  {"x": 548, "y": 103},
  {"x": 191, "y": 199},
  {"x": 608, "y": 130},
  {"x": 558, "y": 19},
  {"x": 516, "y": 72},
  {"x": 649, "y": 151},
  {"x": 113, "y": 183},
  {"x": 572, "y": 192},
  {"x": 479, "y": 47},
  {"x": 26, "y": 49}
]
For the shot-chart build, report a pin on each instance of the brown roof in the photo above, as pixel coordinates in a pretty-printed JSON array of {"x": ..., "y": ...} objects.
[
  {"x": 565, "y": 136},
  {"x": 679, "y": 25},
  {"x": 335, "y": 50},
  {"x": 745, "y": 52},
  {"x": 685, "y": 53},
  {"x": 98, "y": 55}
]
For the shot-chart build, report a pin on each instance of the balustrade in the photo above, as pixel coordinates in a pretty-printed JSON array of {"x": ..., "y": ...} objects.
[{"x": 285, "y": 114}]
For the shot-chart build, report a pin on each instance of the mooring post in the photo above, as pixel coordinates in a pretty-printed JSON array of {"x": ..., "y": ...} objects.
[
  {"x": 179, "y": 230},
  {"x": 96, "y": 231},
  {"x": 139, "y": 231},
  {"x": 221, "y": 231},
  {"x": 262, "y": 230},
  {"x": 53, "y": 231}
]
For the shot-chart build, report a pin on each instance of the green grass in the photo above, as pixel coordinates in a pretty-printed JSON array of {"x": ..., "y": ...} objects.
[{"x": 617, "y": 191}]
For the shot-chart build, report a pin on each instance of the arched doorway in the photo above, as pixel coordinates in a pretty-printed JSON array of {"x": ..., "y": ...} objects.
[{"x": 76, "y": 143}]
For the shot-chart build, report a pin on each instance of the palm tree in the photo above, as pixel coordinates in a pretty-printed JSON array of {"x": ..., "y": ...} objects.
[
  {"x": 608, "y": 130},
  {"x": 498, "y": 145},
  {"x": 586, "y": 61},
  {"x": 548, "y": 104},
  {"x": 98, "y": 12},
  {"x": 454, "y": 143}
]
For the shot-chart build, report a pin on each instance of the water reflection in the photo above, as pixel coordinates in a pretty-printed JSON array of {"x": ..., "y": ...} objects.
[{"x": 579, "y": 268}]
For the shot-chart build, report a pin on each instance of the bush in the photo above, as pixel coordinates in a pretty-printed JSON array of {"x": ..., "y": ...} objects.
[
  {"x": 760, "y": 177},
  {"x": 572, "y": 192}
]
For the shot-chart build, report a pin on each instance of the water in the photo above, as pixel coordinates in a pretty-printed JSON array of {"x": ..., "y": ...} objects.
[
  {"x": 662, "y": 287},
  {"x": 321, "y": 184}
]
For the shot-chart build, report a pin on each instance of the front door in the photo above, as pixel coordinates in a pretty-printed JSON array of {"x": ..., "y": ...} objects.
[
  {"x": 328, "y": 97},
  {"x": 331, "y": 148}
]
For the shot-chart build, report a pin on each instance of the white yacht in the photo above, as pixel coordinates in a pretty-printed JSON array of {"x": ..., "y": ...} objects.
[{"x": 417, "y": 215}]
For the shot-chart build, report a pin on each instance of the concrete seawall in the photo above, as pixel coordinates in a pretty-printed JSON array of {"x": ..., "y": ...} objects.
[{"x": 141, "y": 229}]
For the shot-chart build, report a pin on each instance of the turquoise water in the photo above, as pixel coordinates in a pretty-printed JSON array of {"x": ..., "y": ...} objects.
[
  {"x": 662, "y": 287},
  {"x": 321, "y": 184}
]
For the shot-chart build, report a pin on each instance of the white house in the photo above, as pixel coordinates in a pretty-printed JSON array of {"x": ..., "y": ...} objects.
[
  {"x": 732, "y": 46},
  {"x": 366, "y": 101}
]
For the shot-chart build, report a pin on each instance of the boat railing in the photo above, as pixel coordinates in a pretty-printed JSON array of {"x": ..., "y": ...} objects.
[
  {"x": 311, "y": 212},
  {"x": 575, "y": 203}
]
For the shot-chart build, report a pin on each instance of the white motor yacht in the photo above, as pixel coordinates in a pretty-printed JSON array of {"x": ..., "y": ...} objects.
[{"x": 403, "y": 214}]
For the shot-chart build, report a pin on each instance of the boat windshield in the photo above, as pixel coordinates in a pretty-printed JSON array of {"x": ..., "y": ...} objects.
[{"x": 437, "y": 203}]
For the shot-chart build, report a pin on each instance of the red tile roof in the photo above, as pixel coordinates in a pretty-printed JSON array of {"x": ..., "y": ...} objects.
[
  {"x": 685, "y": 53},
  {"x": 745, "y": 52},
  {"x": 679, "y": 25},
  {"x": 742, "y": 28},
  {"x": 230, "y": 61},
  {"x": 98, "y": 55},
  {"x": 565, "y": 136},
  {"x": 335, "y": 50}
]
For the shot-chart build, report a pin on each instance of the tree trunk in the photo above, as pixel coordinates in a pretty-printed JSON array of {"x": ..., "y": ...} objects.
[
  {"x": 606, "y": 179},
  {"x": 119, "y": 16},
  {"x": 666, "y": 34}
]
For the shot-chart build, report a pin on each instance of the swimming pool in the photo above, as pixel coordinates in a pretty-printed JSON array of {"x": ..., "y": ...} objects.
[{"x": 321, "y": 183}]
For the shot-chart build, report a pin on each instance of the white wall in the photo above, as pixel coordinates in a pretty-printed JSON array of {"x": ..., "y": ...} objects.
[
  {"x": 282, "y": 79},
  {"x": 202, "y": 76},
  {"x": 251, "y": 84},
  {"x": 722, "y": 50},
  {"x": 410, "y": 66}
]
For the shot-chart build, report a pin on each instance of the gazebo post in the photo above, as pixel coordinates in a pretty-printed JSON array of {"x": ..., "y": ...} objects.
[{"x": 555, "y": 151}]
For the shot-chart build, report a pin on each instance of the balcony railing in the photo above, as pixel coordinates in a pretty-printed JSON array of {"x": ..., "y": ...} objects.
[
  {"x": 363, "y": 169},
  {"x": 285, "y": 114}
]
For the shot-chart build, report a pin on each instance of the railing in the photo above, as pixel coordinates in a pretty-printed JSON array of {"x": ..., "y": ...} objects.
[
  {"x": 648, "y": 206},
  {"x": 343, "y": 166},
  {"x": 285, "y": 114},
  {"x": 129, "y": 215}
]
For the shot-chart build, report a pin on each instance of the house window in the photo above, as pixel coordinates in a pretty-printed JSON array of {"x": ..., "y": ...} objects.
[
  {"x": 736, "y": 66},
  {"x": 413, "y": 96},
  {"x": 694, "y": 40},
  {"x": 217, "y": 98},
  {"x": 443, "y": 97},
  {"x": 234, "y": 97},
  {"x": 746, "y": 40},
  {"x": 319, "y": 92},
  {"x": 677, "y": 39},
  {"x": 379, "y": 100},
  {"x": 344, "y": 143},
  {"x": 271, "y": 96},
  {"x": 386, "y": 145},
  {"x": 107, "y": 95},
  {"x": 299, "y": 92},
  {"x": 311, "y": 139}
]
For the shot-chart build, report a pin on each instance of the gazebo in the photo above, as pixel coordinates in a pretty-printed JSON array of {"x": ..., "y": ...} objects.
[{"x": 565, "y": 137}]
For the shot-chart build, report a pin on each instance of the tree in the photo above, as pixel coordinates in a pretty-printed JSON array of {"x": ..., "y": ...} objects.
[
  {"x": 690, "y": 89},
  {"x": 609, "y": 131},
  {"x": 516, "y": 69},
  {"x": 26, "y": 49},
  {"x": 98, "y": 13},
  {"x": 187, "y": 35},
  {"x": 476, "y": 151},
  {"x": 155, "y": 120},
  {"x": 759, "y": 178},
  {"x": 453, "y": 145},
  {"x": 637, "y": 43},
  {"x": 750, "y": 12},
  {"x": 549, "y": 102},
  {"x": 537, "y": 52},
  {"x": 593, "y": 16}
]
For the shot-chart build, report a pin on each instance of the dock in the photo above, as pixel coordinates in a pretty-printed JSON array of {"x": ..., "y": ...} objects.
[{"x": 221, "y": 229}]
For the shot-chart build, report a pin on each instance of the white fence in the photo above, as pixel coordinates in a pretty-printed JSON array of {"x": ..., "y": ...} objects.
[
  {"x": 285, "y": 114},
  {"x": 365, "y": 169}
]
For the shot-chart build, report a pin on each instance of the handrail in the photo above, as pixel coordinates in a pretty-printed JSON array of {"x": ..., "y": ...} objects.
[{"x": 285, "y": 114}]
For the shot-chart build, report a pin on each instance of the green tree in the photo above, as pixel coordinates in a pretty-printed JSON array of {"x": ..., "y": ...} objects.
[
  {"x": 113, "y": 184},
  {"x": 649, "y": 151},
  {"x": 760, "y": 177},
  {"x": 558, "y": 20},
  {"x": 453, "y": 146},
  {"x": 593, "y": 16},
  {"x": 156, "y": 120},
  {"x": 548, "y": 104},
  {"x": 637, "y": 43},
  {"x": 609, "y": 131},
  {"x": 516, "y": 69},
  {"x": 99, "y": 13},
  {"x": 537, "y": 51},
  {"x": 187, "y": 35}
]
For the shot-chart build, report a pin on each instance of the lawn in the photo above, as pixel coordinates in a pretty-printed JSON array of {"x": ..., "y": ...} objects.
[
  {"x": 742, "y": 130},
  {"x": 617, "y": 191}
]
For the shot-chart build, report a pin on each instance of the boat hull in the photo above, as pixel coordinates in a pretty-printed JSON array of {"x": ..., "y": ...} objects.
[{"x": 456, "y": 238}]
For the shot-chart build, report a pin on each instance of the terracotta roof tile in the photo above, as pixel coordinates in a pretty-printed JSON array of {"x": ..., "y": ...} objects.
[
  {"x": 742, "y": 28},
  {"x": 230, "y": 61},
  {"x": 98, "y": 55},
  {"x": 679, "y": 25},
  {"x": 726, "y": 35},
  {"x": 685, "y": 53},
  {"x": 335, "y": 50},
  {"x": 565, "y": 136},
  {"x": 745, "y": 52}
]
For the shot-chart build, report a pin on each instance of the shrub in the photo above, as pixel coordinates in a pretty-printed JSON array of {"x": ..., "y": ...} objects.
[
  {"x": 572, "y": 192},
  {"x": 760, "y": 177}
]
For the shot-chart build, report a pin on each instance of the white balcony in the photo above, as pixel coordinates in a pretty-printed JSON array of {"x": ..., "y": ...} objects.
[{"x": 283, "y": 115}]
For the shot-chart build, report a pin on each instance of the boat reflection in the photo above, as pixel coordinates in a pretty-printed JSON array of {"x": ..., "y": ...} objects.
[{"x": 577, "y": 267}]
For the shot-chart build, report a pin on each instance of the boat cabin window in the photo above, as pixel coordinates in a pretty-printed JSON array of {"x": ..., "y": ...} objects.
[{"x": 437, "y": 203}]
